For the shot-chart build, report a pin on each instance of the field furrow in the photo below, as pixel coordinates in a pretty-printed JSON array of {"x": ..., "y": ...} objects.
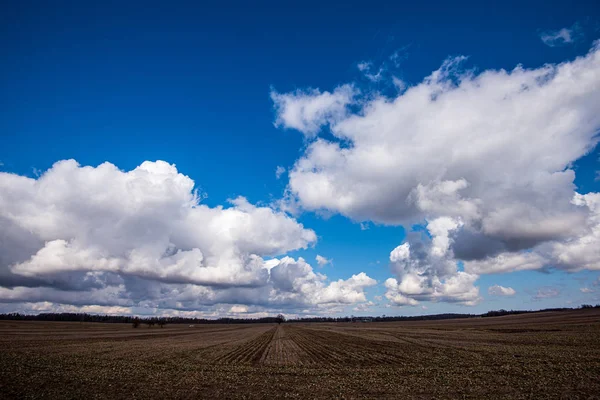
[
  {"x": 249, "y": 352},
  {"x": 283, "y": 350},
  {"x": 551, "y": 355}
]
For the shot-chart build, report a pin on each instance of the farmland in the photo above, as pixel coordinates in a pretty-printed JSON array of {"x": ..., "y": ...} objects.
[{"x": 539, "y": 355}]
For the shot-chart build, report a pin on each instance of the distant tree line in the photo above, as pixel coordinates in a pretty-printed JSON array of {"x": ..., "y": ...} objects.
[
  {"x": 500, "y": 312},
  {"x": 383, "y": 318},
  {"x": 162, "y": 321},
  {"x": 136, "y": 321}
]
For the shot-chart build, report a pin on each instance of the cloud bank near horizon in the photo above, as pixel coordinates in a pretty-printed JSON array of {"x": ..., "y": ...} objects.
[{"x": 98, "y": 236}]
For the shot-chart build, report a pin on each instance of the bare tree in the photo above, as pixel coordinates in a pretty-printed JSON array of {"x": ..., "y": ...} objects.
[
  {"x": 136, "y": 322},
  {"x": 280, "y": 318}
]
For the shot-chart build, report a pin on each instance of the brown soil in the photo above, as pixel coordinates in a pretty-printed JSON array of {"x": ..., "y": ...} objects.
[{"x": 543, "y": 355}]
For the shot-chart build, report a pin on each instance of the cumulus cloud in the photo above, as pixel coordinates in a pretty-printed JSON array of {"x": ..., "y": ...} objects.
[
  {"x": 473, "y": 149},
  {"x": 146, "y": 222},
  {"x": 295, "y": 281},
  {"x": 562, "y": 36},
  {"x": 307, "y": 111},
  {"x": 81, "y": 235},
  {"x": 322, "y": 261},
  {"x": 436, "y": 146},
  {"x": 498, "y": 290},
  {"x": 586, "y": 290},
  {"x": 427, "y": 271},
  {"x": 579, "y": 251}
]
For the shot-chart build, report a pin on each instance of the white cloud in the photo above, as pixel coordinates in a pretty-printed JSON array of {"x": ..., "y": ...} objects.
[
  {"x": 46, "y": 306},
  {"x": 469, "y": 148},
  {"x": 395, "y": 296},
  {"x": 307, "y": 111},
  {"x": 367, "y": 69},
  {"x": 238, "y": 309},
  {"x": 400, "y": 55},
  {"x": 586, "y": 290},
  {"x": 364, "y": 66},
  {"x": 213, "y": 312},
  {"x": 376, "y": 77},
  {"x": 399, "y": 83},
  {"x": 364, "y": 306},
  {"x": 295, "y": 281},
  {"x": 506, "y": 262},
  {"x": 498, "y": 290},
  {"x": 579, "y": 251},
  {"x": 279, "y": 171},
  {"x": 105, "y": 237},
  {"x": 562, "y": 36},
  {"x": 546, "y": 293},
  {"x": 428, "y": 272},
  {"x": 435, "y": 145},
  {"x": 146, "y": 222},
  {"x": 322, "y": 261}
]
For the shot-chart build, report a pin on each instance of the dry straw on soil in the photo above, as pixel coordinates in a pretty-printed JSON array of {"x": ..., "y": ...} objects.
[{"x": 542, "y": 355}]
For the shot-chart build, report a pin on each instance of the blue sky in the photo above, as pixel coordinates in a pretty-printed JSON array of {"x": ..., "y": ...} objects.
[{"x": 192, "y": 84}]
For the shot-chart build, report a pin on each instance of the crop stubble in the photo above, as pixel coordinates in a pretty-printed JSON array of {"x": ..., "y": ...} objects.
[{"x": 542, "y": 355}]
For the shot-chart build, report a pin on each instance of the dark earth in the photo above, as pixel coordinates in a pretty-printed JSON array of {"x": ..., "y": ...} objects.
[{"x": 553, "y": 355}]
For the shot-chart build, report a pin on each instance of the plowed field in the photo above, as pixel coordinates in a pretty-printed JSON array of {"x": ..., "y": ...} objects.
[{"x": 542, "y": 355}]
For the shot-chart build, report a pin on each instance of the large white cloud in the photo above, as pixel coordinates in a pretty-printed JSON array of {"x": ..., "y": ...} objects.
[
  {"x": 492, "y": 151},
  {"x": 146, "y": 222},
  {"x": 101, "y": 236},
  {"x": 459, "y": 140}
]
